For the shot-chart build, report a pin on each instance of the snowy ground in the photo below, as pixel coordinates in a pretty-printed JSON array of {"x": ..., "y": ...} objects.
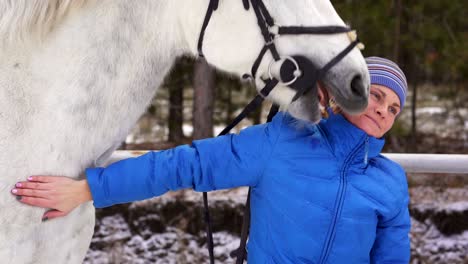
[
  {"x": 143, "y": 233},
  {"x": 429, "y": 245},
  {"x": 439, "y": 232}
]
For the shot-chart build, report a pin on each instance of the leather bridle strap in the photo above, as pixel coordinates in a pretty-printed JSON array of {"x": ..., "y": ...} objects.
[
  {"x": 212, "y": 6},
  {"x": 319, "y": 30},
  {"x": 321, "y": 73}
]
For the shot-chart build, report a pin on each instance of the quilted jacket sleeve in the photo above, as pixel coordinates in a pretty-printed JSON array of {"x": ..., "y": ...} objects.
[
  {"x": 210, "y": 164},
  {"x": 392, "y": 244}
]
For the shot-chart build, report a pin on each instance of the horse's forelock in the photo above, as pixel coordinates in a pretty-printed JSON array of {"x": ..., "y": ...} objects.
[{"x": 21, "y": 19}]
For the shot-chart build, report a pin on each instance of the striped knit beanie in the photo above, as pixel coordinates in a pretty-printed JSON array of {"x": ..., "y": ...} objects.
[{"x": 388, "y": 74}]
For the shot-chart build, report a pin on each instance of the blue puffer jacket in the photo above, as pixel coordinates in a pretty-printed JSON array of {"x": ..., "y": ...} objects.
[{"x": 320, "y": 193}]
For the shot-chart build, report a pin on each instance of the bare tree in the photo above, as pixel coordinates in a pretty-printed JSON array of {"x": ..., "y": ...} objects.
[
  {"x": 203, "y": 99},
  {"x": 176, "y": 82},
  {"x": 413, "y": 146},
  {"x": 396, "y": 47},
  {"x": 176, "y": 118}
]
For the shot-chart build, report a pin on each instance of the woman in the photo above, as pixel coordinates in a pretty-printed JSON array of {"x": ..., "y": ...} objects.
[{"x": 320, "y": 193}]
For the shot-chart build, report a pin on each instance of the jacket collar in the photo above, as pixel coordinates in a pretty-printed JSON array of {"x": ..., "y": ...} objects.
[{"x": 346, "y": 139}]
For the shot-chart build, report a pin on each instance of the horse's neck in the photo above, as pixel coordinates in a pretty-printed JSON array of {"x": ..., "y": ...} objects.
[
  {"x": 78, "y": 94},
  {"x": 73, "y": 97}
]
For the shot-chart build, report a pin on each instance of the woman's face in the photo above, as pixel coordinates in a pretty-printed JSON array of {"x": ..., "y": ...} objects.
[{"x": 378, "y": 118}]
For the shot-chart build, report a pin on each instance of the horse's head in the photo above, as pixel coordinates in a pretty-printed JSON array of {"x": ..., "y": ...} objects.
[{"x": 233, "y": 41}]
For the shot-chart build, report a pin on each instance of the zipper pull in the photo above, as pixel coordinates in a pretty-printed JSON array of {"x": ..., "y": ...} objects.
[{"x": 366, "y": 153}]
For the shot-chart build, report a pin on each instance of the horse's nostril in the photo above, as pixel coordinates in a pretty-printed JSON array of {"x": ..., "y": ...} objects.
[{"x": 357, "y": 87}]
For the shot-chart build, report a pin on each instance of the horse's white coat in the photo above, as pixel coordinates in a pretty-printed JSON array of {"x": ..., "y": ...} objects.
[{"x": 76, "y": 75}]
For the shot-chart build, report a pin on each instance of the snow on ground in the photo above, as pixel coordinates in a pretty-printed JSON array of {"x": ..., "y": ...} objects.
[
  {"x": 428, "y": 245},
  {"x": 172, "y": 246}
]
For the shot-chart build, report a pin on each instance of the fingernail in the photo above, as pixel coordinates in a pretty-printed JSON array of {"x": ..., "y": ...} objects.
[
  {"x": 30, "y": 178},
  {"x": 19, "y": 197},
  {"x": 45, "y": 219},
  {"x": 18, "y": 184},
  {"x": 14, "y": 191}
]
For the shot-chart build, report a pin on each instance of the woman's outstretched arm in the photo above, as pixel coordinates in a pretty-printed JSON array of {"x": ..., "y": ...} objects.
[{"x": 211, "y": 164}]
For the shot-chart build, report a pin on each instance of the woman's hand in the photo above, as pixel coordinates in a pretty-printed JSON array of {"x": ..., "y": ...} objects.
[{"x": 62, "y": 194}]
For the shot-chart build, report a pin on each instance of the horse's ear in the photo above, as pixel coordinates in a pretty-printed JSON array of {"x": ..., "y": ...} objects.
[{"x": 246, "y": 4}]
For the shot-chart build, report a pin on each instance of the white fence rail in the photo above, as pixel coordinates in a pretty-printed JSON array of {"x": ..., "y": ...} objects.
[
  {"x": 431, "y": 163},
  {"x": 420, "y": 163}
]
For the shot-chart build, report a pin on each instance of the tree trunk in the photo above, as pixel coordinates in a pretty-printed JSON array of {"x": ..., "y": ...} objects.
[
  {"x": 229, "y": 108},
  {"x": 414, "y": 144},
  {"x": 176, "y": 120},
  {"x": 396, "y": 45},
  {"x": 257, "y": 115},
  {"x": 203, "y": 99}
]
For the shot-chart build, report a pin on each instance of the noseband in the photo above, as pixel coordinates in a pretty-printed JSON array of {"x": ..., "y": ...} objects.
[{"x": 296, "y": 72}]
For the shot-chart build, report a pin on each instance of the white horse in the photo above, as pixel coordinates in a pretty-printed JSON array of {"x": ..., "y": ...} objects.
[{"x": 75, "y": 75}]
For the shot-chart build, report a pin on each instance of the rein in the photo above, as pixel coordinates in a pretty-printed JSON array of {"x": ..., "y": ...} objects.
[{"x": 296, "y": 72}]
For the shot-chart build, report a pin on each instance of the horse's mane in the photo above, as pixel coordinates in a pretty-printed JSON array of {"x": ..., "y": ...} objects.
[{"x": 22, "y": 18}]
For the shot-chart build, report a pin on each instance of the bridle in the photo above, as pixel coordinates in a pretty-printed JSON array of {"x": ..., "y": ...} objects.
[{"x": 296, "y": 72}]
